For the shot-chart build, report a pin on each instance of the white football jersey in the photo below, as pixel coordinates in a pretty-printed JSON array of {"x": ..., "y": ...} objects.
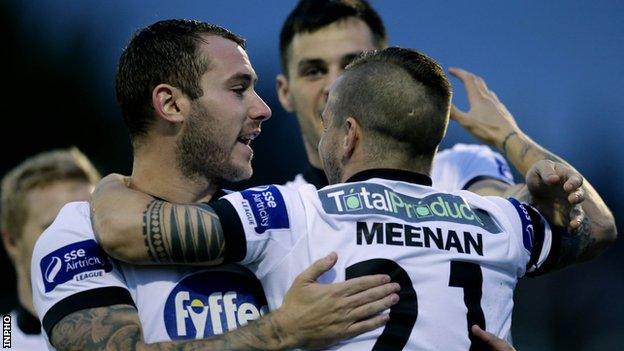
[
  {"x": 453, "y": 169},
  {"x": 456, "y": 255},
  {"x": 70, "y": 272}
]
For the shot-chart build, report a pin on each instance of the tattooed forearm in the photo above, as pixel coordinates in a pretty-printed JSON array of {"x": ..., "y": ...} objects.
[
  {"x": 182, "y": 233},
  {"x": 94, "y": 329},
  {"x": 117, "y": 327},
  {"x": 506, "y": 140},
  {"x": 577, "y": 246}
]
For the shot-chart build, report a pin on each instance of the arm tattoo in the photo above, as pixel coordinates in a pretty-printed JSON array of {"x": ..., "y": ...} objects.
[
  {"x": 95, "y": 329},
  {"x": 577, "y": 246},
  {"x": 504, "y": 147},
  {"x": 117, "y": 328},
  {"x": 525, "y": 150},
  {"x": 182, "y": 233}
]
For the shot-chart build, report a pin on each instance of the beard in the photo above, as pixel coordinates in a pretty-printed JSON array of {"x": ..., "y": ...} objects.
[
  {"x": 331, "y": 164},
  {"x": 202, "y": 153}
]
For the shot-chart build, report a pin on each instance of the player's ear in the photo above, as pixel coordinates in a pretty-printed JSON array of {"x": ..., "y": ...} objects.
[
  {"x": 170, "y": 103},
  {"x": 351, "y": 137},
  {"x": 283, "y": 92},
  {"x": 10, "y": 245}
]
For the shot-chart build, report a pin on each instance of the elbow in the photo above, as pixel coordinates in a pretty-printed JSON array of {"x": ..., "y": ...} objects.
[
  {"x": 111, "y": 237},
  {"x": 606, "y": 234},
  {"x": 610, "y": 233}
]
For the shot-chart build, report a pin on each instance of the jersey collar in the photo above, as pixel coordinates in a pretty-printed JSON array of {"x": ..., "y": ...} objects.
[
  {"x": 392, "y": 174},
  {"x": 315, "y": 176}
]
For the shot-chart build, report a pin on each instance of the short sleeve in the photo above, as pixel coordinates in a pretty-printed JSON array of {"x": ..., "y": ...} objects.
[
  {"x": 463, "y": 165},
  {"x": 261, "y": 225},
  {"x": 70, "y": 271},
  {"x": 533, "y": 234}
]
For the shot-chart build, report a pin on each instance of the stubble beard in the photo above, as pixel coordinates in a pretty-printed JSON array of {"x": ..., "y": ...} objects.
[
  {"x": 332, "y": 167},
  {"x": 200, "y": 155}
]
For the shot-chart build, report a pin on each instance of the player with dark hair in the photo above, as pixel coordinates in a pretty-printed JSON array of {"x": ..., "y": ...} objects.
[
  {"x": 456, "y": 255},
  {"x": 32, "y": 194},
  {"x": 186, "y": 89},
  {"x": 320, "y": 37}
]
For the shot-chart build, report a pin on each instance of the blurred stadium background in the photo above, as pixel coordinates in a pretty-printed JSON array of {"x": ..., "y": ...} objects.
[{"x": 557, "y": 65}]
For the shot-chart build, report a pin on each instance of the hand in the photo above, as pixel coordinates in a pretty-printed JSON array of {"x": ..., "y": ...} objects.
[
  {"x": 107, "y": 185},
  {"x": 317, "y": 315},
  {"x": 491, "y": 341},
  {"x": 487, "y": 118},
  {"x": 556, "y": 191},
  {"x": 102, "y": 198}
]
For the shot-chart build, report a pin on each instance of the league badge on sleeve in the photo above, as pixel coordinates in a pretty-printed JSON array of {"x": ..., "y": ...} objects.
[
  {"x": 265, "y": 208},
  {"x": 77, "y": 261}
]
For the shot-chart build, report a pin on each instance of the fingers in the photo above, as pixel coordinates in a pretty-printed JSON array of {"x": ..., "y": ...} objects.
[
  {"x": 484, "y": 336},
  {"x": 475, "y": 86},
  {"x": 576, "y": 197},
  {"x": 373, "y": 294},
  {"x": 577, "y": 216},
  {"x": 317, "y": 268},
  {"x": 372, "y": 308},
  {"x": 548, "y": 173},
  {"x": 572, "y": 183},
  {"x": 491, "y": 340},
  {"x": 572, "y": 179},
  {"x": 366, "y": 325},
  {"x": 458, "y": 115},
  {"x": 543, "y": 172},
  {"x": 359, "y": 284}
]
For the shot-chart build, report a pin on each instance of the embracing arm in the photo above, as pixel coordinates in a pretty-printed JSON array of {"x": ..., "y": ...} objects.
[
  {"x": 117, "y": 327},
  {"x": 489, "y": 120},
  {"x": 312, "y": 315},
  {"x": 135, "y": 227}
]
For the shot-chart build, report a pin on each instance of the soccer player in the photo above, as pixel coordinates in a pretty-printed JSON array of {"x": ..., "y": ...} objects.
[
  {"x": 317, "y": 40},
  {"x": 186, "y": 91},
  {"x": 320, "y": 37},
  {"x": 32, "y": 195},
  {"x": 456, "y": 255}
]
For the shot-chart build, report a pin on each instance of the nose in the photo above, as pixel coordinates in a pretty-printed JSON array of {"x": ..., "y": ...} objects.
[
  {"x": 260, "y": 111},
  {"x": 331, "y": 78}
]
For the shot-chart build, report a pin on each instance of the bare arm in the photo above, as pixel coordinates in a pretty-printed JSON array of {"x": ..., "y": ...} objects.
[
  {"x": 134, "y": 227},
  {"x": 118, "y": 328},
  {"x": 490, "y": 121},
  {"x": 312, "y": 316}
]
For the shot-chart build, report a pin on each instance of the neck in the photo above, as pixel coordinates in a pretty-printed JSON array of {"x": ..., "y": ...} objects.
[
  {"x": 155, "y": 172},
  {"x": 24, "y": 291},
  {"x": 312, "y": 153},
  {"x": 359, "y": 164}
]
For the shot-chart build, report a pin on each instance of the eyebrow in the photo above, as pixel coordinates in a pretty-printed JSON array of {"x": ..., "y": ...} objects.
[
  {"x": 310, "y": 62},
  {"x": 245, "y": 78},
  {"x": 345, "y": 59}
]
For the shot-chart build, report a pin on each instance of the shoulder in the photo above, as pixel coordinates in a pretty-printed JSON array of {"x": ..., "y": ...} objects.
[
  {"x": 461, "y": 165},
  {"x": 72, "y": 224},
  {"x": 297, "y": 182}
]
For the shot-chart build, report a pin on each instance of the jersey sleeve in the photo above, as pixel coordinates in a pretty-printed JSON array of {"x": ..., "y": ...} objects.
[
  {"x": 69, "y": 270},
  {"x": 463, "y": 165},
  {"x": 261, "y": 225},
  {"x": 537, "y": 240}
]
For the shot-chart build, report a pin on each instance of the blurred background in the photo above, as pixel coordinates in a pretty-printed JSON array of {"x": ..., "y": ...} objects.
[{"x": 557, "y": 65}]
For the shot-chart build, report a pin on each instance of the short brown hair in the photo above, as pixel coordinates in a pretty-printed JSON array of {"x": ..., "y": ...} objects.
[
  {"x": 164, "y": 52},
  {"x": 310, "y": 16},
  {"x": 36, "y": 172},
  {"x": 401, "y": 96}
]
